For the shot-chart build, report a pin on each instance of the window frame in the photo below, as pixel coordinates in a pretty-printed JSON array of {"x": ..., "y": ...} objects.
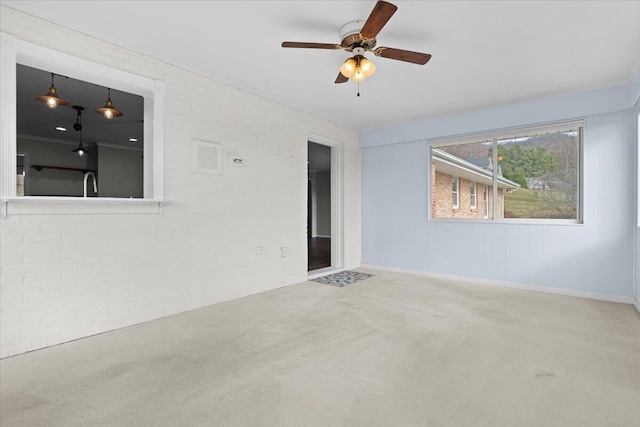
[
  {"x": 512, "y": 133},
  {"x": 15, "y": 51}
]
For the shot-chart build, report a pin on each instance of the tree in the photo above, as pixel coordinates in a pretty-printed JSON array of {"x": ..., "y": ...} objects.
[
  {"x": 536, "y": 162},
  {"x": 518, "y": 176}
]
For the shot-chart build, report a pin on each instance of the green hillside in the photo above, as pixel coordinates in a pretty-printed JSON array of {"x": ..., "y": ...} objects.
[{"x": 525, "y": 203}]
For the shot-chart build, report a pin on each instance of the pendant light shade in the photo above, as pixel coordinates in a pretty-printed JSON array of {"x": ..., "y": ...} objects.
[
  {"x": 108, "y": 110},
  {"x": 81, "y": 150},
  {"x": 348, "y": 68},
  {"x": 358, "y": 76},
  {"x": 367, "y": 67},
  {"x": 51, "y": 98}
]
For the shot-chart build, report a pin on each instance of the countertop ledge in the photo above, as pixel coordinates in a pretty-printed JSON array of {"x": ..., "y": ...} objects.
[{"x": 80, "y": 205}]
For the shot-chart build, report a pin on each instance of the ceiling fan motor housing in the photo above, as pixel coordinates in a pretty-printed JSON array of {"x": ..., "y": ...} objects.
[{"x": 350, "y": 36}]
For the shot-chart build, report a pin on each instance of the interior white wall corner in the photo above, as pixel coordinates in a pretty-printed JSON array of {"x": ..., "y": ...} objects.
[{"x": 635, "y": 89}]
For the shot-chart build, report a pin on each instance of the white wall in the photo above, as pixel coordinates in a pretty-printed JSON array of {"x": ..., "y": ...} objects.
[
  {"x": 637, "y": 271},
  {"x": 66, "y": 276},
  {"x": 635, "y": 88},
  {"x": 595, "y": 257}
]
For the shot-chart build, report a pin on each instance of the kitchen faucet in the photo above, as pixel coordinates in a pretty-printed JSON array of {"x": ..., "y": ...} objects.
[{"x": 95, "y": 183}]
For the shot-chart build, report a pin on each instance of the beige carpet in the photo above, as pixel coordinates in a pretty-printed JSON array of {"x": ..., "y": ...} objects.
[{"x": 392, "y": 350}]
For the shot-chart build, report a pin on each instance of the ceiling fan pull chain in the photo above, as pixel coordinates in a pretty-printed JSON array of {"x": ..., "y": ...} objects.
[{"x": 358, "y": 88}]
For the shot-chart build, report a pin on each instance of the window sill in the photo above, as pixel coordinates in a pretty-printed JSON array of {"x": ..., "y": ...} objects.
[
  {"x": 511, "y": 221},
  {"x": 39, "y": 205}
]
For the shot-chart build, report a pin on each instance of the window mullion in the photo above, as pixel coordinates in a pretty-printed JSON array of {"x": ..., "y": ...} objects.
[{"x": 494, "y": 202}]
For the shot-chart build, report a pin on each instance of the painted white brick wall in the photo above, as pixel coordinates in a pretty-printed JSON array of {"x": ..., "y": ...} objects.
[{"x": 68, "y": 273}]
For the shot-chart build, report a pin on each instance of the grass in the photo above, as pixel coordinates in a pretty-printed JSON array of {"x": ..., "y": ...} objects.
[{"x": 538, "y": 204}]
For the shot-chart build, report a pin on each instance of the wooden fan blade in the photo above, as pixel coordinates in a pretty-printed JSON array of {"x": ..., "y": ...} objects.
[
  {"x": 341, "y": 78},
  {"x": 403, "y": 55},
  {"x": 380, "y": 14},
  {"x": 305, "y": 45}
]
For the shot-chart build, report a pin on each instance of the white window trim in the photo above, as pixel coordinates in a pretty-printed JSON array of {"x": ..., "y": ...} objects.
[
  {"x": 516, "y": 132},
  {"x": 455, "y": 179},
  {"x": 637, "y": 126},
  {"x": 473, "y": 195},
  {"x": 14, "y": 51},
  {"x": 507, "y": 133}
]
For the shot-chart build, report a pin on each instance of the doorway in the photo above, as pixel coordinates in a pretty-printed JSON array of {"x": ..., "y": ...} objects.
[{"x": 319, "y": 207}]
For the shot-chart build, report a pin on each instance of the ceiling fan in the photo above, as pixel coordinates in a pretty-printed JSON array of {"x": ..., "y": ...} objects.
[{"x": 359, "y": 38}]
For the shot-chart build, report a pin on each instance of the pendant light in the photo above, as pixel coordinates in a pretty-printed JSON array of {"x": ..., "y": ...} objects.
[
  {"x": 80, "y": 149},
  {"x": 51, "y": 98},
  {"x": 108, "y": 110}
]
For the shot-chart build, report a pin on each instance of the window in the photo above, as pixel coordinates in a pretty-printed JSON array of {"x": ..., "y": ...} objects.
[
  {"x": 527, "y": 174},
  {"x": 73, "y": 150},
  {"x": 20, "y": 57},
  {"x": 455, "y": 194},
  {"x": 485, "y": 202},
  {"x": 472, "y": 195}
]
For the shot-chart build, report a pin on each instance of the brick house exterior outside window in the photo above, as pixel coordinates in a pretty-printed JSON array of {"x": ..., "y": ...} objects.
[{"x": 446, "y": 169}]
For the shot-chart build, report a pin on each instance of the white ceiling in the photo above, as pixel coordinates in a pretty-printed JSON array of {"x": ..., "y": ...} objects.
[{"x": 485, "y": 53}]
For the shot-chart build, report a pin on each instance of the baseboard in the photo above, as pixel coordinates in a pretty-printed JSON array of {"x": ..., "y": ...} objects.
[
  {"x": 636, "y": 304},
  {"x": 510, "y": 285}
]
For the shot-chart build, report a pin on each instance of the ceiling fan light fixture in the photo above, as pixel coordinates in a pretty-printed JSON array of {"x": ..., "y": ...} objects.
[
  {"x": 51, "y": 98},
  {"x": 357, "y": 68},
  {"x": 109, "y": 111}
]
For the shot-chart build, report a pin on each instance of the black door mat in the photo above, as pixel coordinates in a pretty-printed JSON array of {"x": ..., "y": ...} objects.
[{"x": 343, "y": 278}]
